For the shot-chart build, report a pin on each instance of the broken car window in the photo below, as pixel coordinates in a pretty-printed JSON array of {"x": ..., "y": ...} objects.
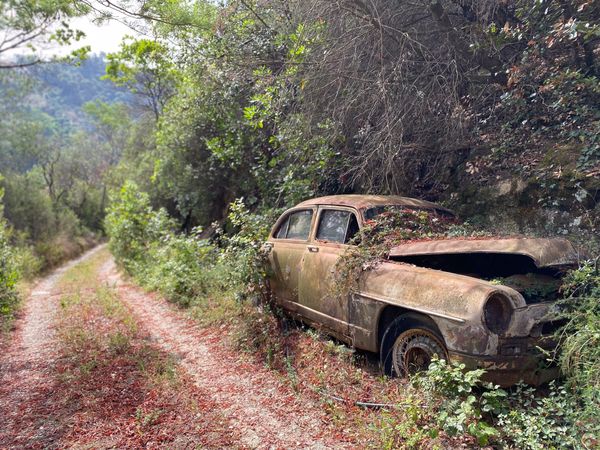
[
  {"x": 352, "y": 229},
  {"x": 376, "y": 210},
  {"x": 337, "y": 226}
]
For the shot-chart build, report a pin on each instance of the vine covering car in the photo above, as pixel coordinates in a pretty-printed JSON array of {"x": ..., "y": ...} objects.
[{"x": 436, "y": 297}]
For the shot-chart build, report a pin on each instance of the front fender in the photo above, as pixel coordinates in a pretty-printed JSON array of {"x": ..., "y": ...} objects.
[{"x": 454, "y": 302}]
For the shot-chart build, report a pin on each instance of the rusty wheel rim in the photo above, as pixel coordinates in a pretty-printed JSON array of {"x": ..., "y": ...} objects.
[{"x": 413, "y": 351}]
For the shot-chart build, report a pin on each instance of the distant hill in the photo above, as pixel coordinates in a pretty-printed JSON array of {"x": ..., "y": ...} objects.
[{"x": 61, "y": 89}]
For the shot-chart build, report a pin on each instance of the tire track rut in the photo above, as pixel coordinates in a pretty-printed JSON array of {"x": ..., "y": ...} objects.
[{"x": 26, "y": 367}]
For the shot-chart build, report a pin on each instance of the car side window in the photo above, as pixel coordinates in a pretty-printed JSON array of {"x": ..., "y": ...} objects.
[
  {"x": 337, "y": 226},
  {"x": 295, "y": 226},
  {"x": 283, "y": 228}
]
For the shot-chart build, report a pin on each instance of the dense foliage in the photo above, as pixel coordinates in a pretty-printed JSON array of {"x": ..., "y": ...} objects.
[
  {"x": 59, "y": 141},
  {"x": 183, "y": 267},
  {"x": 278, "y": 101},
  {"x": 580, "y": 358}
]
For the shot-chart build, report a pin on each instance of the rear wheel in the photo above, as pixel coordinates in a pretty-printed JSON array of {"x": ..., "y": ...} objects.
[{"x": 408, "y": 346}]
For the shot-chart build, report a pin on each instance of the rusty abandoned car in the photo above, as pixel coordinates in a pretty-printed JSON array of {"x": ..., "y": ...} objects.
[{"x": 427, "y": 297}]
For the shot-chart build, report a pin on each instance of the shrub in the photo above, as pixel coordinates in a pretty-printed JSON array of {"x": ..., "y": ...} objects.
[
  {"x": 580, "y": 341},
  {"x": 459, "y": 403},
  {"x": 244, "y": 252},
  {"x": 8, "y": 278},
  {"x": 539, "y": 422},
  {"x": 463, "y": 404},
  {"x": 28, "y": 207},
  {"x": 28, "y": 263},
  {"x": 180, "y": 267},
  {"x": 43, "y": 234},
  {"x": 133, "y": 227}
]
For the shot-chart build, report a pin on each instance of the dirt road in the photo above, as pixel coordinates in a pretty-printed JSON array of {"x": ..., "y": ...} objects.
[
  {"x": 265, "y": 411},
  {"x": 258, "y": 409},
  {"x": 27, "y": 363}
]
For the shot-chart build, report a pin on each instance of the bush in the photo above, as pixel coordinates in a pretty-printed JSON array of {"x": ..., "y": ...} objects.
[
  {"x": 539, "y": 422},
  {"x": 43, "y": 234},
  {"x": 244, "y": 252},
  {"x": 179, "y": 267},
  {"x": 461, "y": 404},
  {"x": 28, "y": 207},
  {"x": 28, "y": 263},
  {"x": 133, "y": 227},
  {"x": 8, "y": 279},
  {"x": 580, "y": 341}
]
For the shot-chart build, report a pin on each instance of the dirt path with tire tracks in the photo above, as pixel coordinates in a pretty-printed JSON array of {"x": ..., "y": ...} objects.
[
  {"x": 26, "y": 367},
  {"x": 246, "y": 400},
  {"x": 265, "y": 412}
]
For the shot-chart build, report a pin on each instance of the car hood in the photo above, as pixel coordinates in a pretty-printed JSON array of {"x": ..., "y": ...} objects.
[{"x": 544, "y": 252}]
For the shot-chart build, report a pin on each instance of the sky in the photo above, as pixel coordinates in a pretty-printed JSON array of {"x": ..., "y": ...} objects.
[
  {"x": 105, "y": 38},
  {"x": 101, "y": 38}
]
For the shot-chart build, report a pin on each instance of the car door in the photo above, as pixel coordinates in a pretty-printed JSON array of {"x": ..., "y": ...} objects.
[
  {"x": 319, "y": 297},
  {"x": 287, "y": 248}
]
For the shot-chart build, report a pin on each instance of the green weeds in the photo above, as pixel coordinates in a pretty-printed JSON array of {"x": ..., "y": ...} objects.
[{"x": 9, "y": 276}]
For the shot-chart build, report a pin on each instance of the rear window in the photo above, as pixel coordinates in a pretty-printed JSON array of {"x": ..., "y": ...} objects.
[{"x": 374, "y": 211}]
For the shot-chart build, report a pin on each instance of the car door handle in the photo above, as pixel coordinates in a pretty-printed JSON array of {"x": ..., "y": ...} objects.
[{"x": 312, "y": 248}]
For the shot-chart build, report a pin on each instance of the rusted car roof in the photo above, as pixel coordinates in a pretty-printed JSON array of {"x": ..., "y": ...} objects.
[
  {"x": 365, "y": 201},
  {"x": 544, "y": 252}
]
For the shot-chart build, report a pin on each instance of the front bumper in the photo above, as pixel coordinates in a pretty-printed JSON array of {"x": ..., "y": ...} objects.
[{"x": 509, "y": 370}]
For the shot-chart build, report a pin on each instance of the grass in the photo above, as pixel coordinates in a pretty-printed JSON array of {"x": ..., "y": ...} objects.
[
  {"x": 332, "y": 374},
  {"x": 84, "y": 275},
  {"x": 8, "y": 317},
  {"x": 217, "y": 308}
]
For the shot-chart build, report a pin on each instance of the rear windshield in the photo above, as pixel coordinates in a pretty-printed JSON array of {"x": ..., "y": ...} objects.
[{"x": 374, "y": 211}]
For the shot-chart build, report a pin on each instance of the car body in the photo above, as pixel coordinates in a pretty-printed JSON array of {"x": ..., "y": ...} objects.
[{"x": 432, "y": 297}]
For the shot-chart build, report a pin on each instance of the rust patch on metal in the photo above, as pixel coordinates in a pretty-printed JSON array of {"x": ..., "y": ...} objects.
[{"x": 365, "y": 201}]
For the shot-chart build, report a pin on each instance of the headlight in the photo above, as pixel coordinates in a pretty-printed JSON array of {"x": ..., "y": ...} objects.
[{"x": 497, "y": 313}]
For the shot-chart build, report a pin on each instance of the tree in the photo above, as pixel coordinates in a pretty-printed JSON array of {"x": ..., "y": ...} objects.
[
  {"x": 146, "y": 68},
  {"x": 25, "y": 25}
]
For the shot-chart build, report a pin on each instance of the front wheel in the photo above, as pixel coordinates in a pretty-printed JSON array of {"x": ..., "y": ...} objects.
[{"x": 408, "y": 347}]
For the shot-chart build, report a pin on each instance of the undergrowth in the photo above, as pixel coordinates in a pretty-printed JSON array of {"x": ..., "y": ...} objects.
[
  {"x": 9, "y": 276},
  {"x": 446, "y": 406}
]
